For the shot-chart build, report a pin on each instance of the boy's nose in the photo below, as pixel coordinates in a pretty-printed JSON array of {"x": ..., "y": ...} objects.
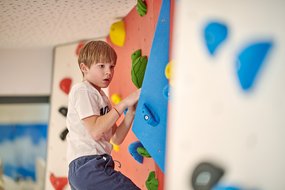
[{"x": 108, "y": 72}]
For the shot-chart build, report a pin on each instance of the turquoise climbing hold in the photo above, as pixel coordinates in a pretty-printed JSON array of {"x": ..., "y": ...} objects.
[
  {"x": 215, "y": 33},
  {"x": 226, "y": 187},
  {"x": 249, "y": 61}
]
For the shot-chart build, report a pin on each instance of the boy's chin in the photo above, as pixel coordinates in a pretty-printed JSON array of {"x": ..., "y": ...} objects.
[{"x": 104, "y": 86}]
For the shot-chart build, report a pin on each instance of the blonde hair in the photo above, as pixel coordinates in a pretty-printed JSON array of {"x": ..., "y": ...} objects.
[{"x": 97, "y": 52}]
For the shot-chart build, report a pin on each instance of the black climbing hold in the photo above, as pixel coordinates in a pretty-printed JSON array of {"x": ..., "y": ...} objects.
[
  {"x": 63, "y": 111},
  {"x": 205, "y": 176},
  {"x": 63, "y": 134}
]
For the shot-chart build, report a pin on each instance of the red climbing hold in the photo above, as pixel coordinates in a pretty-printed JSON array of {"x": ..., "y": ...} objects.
[
  {"x": 79, "y": 47},
  {"x": 58, "y": 182},
  {"x": 65, "y": 85}
]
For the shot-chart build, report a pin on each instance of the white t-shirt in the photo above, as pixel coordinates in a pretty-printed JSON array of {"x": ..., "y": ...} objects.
[{"x": 84, "y": 101}]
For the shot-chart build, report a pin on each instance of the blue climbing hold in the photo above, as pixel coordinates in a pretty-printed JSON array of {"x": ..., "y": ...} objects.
[
  {"x": 215, "y": 33},
  {"x": 133, "y": 151},
  {"x": 249, "y": 62},
  {"x": 224, "y": 187},
  {"x": 125, "y": 111},
  {"x": 166, "y": 92},
  {"x": 149, "y": 116}
]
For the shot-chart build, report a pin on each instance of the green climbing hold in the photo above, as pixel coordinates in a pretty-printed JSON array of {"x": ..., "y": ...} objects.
[
  {"x": 138, "y": 68},
  {"x": 143, "y": 152},
  {"x": 136, "y": 54},
  {"x": 141, "y": 7},
  {"x": 151, "y": 182}
]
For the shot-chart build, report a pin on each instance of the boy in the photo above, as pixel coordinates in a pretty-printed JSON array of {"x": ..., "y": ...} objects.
[{"x": 91, "y": 122}]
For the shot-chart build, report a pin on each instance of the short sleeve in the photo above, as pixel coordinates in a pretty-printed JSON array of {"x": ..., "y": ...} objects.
[{"x": 86, "y": 103}]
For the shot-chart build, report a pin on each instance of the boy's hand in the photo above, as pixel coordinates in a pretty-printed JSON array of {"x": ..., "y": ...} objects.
[
  {"x": 132, "y": 109},
  {"x": 132, "y": 99},
  {"x": 129, "y": 102}
]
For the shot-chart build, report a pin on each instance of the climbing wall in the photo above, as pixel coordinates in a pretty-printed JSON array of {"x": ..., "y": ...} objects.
[
  {"x": 227, "y": 117},
  {"x": 65, "y": 74},
  {"x": 151, "y": 116},
  {"x": 140, "y": 32}
]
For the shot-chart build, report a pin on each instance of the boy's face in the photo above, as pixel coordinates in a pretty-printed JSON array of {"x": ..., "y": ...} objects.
[{"x": 99, "y": 74}]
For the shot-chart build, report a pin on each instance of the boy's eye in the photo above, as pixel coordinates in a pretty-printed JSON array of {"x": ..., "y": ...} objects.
[{"x": 101, "y": 66}]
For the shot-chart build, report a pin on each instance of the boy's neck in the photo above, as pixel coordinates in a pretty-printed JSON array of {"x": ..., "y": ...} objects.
[{"x": 97, "y": 88}]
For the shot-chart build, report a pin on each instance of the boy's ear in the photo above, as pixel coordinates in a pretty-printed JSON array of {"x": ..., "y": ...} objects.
[{"x": 83, "y": 67}]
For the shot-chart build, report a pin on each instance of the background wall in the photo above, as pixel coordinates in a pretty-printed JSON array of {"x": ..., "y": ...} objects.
[
  {"x": 65, "y": 69},
  {"x": 23, "y": 126},
  {"x": 214, "y": 117},
  {"x": 26, "y": 71}
]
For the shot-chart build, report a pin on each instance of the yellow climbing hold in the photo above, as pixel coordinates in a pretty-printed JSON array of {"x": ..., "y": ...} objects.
[
  {"x": 118, "y": 33},
  {"x": 167, "y": 71},
  {"x": 116, "y": 98},
  {"x": 115, "y": 147}
]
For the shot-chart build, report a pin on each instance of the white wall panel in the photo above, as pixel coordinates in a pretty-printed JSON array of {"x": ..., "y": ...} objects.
[
  {"x": 26, "y": 72},
  {"x": 212, "y": 117}
]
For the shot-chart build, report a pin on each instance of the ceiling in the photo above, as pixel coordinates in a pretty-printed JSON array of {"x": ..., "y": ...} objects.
[{"x": 47, "y": 23}]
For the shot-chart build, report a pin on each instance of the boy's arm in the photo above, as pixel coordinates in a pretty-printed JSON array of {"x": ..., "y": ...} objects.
[
  {"x": 97, "y": 125},
  {"x": 123, "y": 129}
]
